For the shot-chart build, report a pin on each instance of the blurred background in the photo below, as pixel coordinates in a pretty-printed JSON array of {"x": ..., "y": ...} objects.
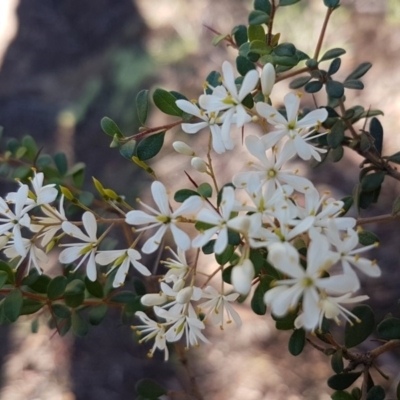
[{"x": 64, "y": 64}]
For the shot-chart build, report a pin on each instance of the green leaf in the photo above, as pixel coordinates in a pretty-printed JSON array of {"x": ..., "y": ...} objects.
[
  {"x": 12, "y": 305},
  {"x": 340, "y": 395},
  {"x": 372, "y": 181},
  {"x": 257, "y": 301},
  {"x": 396, "y": 206},
  {"x": 60, "y": 311},
  {"x": 3, "y": 278},
  {"x": 336, "y": 135},
  {"x": 77, "y": 172},
  {"x": 61, "y": 162},
  {"x": 41, "y": 284},
  {"x": 332, "y": 53},
  {"x": 262, "y": 5},
  {"x": 181, "y": 195},
  {"x": 140, "y": 287},
  {"x": 205, "y": 189},
  {"x": 337, "y": 361},
  {"x": 376, "y": 131},
  {"x": 149, "y": 389},
  {"x": 256, "y": 32},
  {"x": 150, "y": 146},
  {"x": 257, "y": 17},
  {"x": 30, "y": 306},
  {"x": 79, "y": 326},
  {"x": 356, "y": 393},
  {"x": 240, "y": 34},
  {"x": 299, "y": 82},
  {"x": 376, "y": 393},
  {"x": 142, "y": 105},
  {"x": 389, "y": 328},
  {"x": 127, "y": 150},
  {"x": 244, "y": 65},
  {"x": 394, "y": 158},
  {"x": 9, "y": 271},
  {"x": 56, "y": 287},
  {"x": 123, "y": 296},
  {"x": 94, "y": 288},
  {"x": 218, "y": 39},
  {"x": 359, "y": 331},
  {"x": 97, "y": 314},
  {"x": 360, "y": 71},
  {"x": 285, "y": 323},
  {"x": 165, "y": 102},
  {"x": 31, "y": 147},
  {"x": 343, "y": 381},
  {"x": 110, "y": 127},
  {"x": 313, "y": 87},
  {"x": 225, "y": 256},
  {"x": 348, "y": 201},
  {"x": 74, "y": 294},
  {"x": 226, "y": 274},
  {"x": 287, "y": 2},
  {"x": 335, "y": 66},
  {"x": 285, "y": 50},
  {"x": 367, "y": 238},
  {"x": 297, "y": 341},
  {"x": 334, "y": 89},
  {"x": 353, "y": 84}
]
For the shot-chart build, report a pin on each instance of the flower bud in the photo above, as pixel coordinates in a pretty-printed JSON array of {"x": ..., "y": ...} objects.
[
  {"x": 199, "y": 164},
  {"x": 3, "y": 241},
  {"x": 183, "y": 148},
  {"x": 184, "y": 295},
  {"x": 267, "y": 79},
  {"x": 154, "y": 299},
  {"x": 241, "y": 277},
  {"x": 178, "y": 285}
]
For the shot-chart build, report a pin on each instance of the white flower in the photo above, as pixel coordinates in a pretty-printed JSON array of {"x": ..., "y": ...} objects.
[
  {"x": 211, "y": 120},
  {"x": 164, "y": 218},
  {"x": 292, "y": 128},
  {"x": 34, "y": 254},
  {"x": 177, "y": 267},
  {"x": 86, "y": 250},
  {"x": 270, "y": 171},
  {"x": 304, "y": 284},
  {"x": 325, "y": 211},
  {"x": 217, "y": 306},
  {"x": 48, "y": 226},
  {"x": 212, "y": 217},
  {"x": 181, "y": 296},
  {"x": 152, "y": 330},
  {"x": 188, "y": 324},
  {"x": 13, "y": 221},
  {"x": 228, "y": 97},
  {"x": 350, "y": 255},
  {"x": 121, "y": 259},
  {"x": 331, "y": 308}
]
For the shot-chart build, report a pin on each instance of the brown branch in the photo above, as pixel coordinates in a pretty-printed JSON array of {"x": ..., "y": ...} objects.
[
  {"x": 377, "y": 219},
  {"x": 322, "y": 34}
]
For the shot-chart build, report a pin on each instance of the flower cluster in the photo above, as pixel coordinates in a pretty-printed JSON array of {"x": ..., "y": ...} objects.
[{"x": 267, "y": 210}]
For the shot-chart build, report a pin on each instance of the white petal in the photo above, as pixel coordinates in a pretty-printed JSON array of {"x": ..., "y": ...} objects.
[
  {"x": 137, "y": 217},
  {"x": 154, "y": 242},
  {"x": 90, "y": 224},
  {"x": 160, "y": 197}
]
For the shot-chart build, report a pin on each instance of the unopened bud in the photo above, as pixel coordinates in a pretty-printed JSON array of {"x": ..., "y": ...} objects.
[
  {"x": 183, "y": 148},
  {"x": 185, "y": 295},
  {"x": 154, "y": 299},
  {"x": 178, "y": 285},
  {"x": 199, "y": 164},
  {"x": 267, "y": 79},
  {"x": 241, "y": 277},
  {"x": 3, "y": 241}
]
